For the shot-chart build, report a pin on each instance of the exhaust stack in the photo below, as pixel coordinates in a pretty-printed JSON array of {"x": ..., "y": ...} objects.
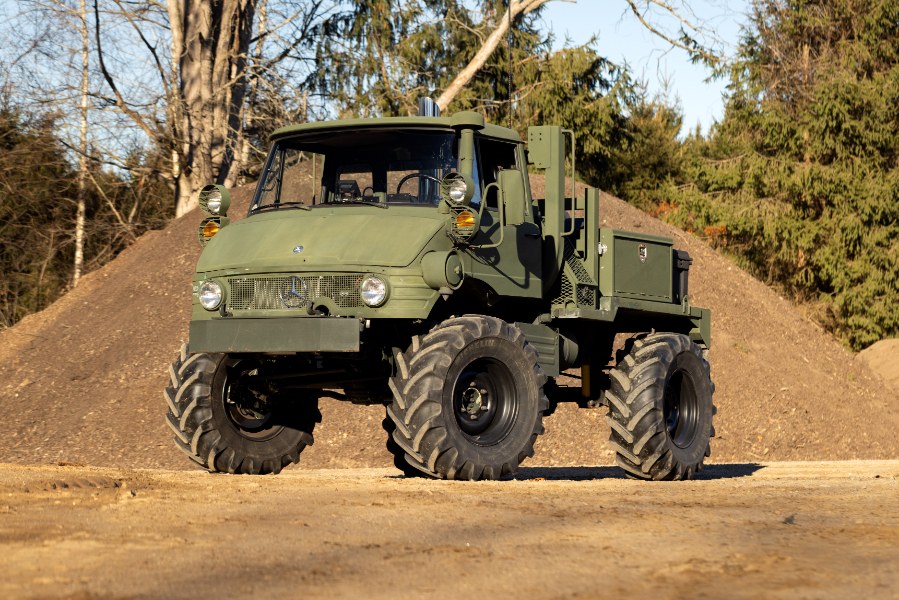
[{"x": 427, "y": 107}]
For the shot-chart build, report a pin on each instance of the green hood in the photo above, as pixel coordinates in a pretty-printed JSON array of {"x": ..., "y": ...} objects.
[{"x": 328, "y": 238}]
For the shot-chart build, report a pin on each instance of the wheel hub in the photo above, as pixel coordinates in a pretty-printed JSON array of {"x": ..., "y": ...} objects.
[
  {"x": 249, "y": 413},
  {"x": 681, "y": 410},
  {"x": 474, "y": 401},
  {"x": 485, "y": 401},
  {"x": 247, "y": 408}
]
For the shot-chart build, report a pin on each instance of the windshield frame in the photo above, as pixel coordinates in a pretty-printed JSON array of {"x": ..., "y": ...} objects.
[{"x": 416, "y": 155}]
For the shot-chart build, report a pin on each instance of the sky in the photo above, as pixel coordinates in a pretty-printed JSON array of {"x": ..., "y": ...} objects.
[{"x": 622, "y": 39}]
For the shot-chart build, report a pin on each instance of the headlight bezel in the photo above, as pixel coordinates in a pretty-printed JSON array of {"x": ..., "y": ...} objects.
[
  {"x": 218, "y": 294},
  {"x": 215, "y": 200},
  {"x": 464, "y": 224},
  {"x": 209, "y": 228},
  {"x": 382, "y": 290},
  {"x": 457, "y": 189}
]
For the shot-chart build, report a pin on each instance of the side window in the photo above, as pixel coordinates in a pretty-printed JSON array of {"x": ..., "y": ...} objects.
[
  {"x": 494, "y": 156},
  {"x": 286, "y": 179}
]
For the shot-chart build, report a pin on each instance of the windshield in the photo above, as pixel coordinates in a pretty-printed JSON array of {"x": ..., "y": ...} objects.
[{"x": 371, "y": 166}]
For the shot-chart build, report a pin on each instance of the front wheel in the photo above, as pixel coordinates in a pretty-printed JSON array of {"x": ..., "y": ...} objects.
[
  {"x": 468, "y": 400},
  {"x": 660, "y": 408},
  {"x": 226, "y": 419}
]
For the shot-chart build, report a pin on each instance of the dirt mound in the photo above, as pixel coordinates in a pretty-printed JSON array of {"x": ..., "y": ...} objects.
[
  {"x": 883, "y": 359},
  {"x": 82, "y": 381}
]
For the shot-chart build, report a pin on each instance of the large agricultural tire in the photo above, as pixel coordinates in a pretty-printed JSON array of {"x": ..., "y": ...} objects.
[
  {"x": 660, "y": 408},
  {"x": 399, "y": 455},
  {"x": 468, "y": 400},
  {"x": 224, "y": 426}
]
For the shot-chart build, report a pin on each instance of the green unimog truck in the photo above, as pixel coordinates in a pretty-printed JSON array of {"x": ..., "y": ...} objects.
[{"x": 405, "y": 262}]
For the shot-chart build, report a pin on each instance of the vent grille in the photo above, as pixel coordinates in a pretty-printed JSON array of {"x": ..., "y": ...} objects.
[
  {"x": 566, "y": 291},
  {"x": 576, "y": 284},
  {"x": 293, "y": 292},
  {"x": 586, "y": 296},
  {"x": 577, "y": 267}
]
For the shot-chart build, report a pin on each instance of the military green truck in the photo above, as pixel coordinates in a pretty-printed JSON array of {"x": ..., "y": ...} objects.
[{"x": 405, "y": 262}]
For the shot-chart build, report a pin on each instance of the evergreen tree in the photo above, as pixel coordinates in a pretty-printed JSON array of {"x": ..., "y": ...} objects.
[
  {"x": 35, "y": 218},
  {"x": 648, "y": 153},
  {"x": 801, "y": 178},
  {"x": 379, "y": 57},
  {"x": 38, "y": 190}
]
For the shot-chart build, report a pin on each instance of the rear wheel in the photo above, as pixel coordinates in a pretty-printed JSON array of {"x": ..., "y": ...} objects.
[
  {"x": 660, "y": 408},
  {"x": 468, "y": 400},
  {"x": 225, "y": 419}
]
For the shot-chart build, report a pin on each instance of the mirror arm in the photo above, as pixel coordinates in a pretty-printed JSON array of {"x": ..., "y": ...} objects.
[{"x": 502, "y": 215}]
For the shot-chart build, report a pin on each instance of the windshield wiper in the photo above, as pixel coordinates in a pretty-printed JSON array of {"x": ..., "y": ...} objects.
[
  {"x": 354, "y": 201},
  {"x": 301, "y": 205}
]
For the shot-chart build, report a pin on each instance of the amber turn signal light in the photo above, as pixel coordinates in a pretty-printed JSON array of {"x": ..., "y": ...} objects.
[
  {"x": 465, "y": 220},
  {"x": 209, "y": 227}
]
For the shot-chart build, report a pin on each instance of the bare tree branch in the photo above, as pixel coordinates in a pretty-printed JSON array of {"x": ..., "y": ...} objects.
[
  {"x": 518, "y": 8},
  {"x": 150, "y": 47},
  {"x": 694, "y": 49},
  {"x": 120, "y": 101}
]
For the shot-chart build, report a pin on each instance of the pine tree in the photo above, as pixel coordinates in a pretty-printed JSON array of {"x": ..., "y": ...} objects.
[{"x": 801, "y": 178}]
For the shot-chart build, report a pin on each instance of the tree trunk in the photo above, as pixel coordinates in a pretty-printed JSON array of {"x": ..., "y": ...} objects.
[
  {"x": 82, "y": 148},
  {"x": 248, "y": 114},
  {"x": 210, "y": 40}
]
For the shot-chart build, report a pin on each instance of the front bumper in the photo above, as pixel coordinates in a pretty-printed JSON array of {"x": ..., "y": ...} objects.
[{"x": 275, "y": 335}]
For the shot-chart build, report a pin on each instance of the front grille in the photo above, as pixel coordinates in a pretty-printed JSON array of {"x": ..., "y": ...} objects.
[{"x": 293, "y": 292}]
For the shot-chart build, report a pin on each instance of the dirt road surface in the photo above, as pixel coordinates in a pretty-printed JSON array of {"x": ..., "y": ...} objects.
[{"x": 779, "y": 530}]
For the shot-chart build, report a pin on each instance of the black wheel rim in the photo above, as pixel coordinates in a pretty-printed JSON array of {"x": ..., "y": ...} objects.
[
  {"x": 247, "y": 410},
  {"x": 681, "y": 409},
  {"x": 485, "y": 401}
]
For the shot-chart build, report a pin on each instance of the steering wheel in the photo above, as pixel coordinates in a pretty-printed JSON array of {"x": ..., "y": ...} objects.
[{"x": 411, "y": 175}]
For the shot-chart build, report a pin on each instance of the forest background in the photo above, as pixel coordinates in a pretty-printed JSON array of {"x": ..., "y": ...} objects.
[{"x": 113, "y": 113}]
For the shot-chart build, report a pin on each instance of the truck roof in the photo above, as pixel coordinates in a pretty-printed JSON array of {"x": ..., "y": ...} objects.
[{"x": 465, "y": 119}]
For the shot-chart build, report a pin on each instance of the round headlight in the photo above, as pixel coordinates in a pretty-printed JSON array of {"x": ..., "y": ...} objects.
[
  {"x": 210, "y": 295},
  {"x": 373, "y": 290},
  {"x": 214, "y": 202},
  {"x": 456, "y": 190}
]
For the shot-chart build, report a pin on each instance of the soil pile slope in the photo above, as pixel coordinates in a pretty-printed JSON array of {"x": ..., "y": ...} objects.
[
  {"x": 81, "y": 382},
  {"x": 883, "y": 359}
]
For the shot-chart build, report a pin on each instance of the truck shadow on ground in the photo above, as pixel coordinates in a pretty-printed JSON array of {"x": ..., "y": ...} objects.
[{"x": 709, "y": 472}]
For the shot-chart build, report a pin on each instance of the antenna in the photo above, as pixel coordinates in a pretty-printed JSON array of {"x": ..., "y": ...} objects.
[{"x": 511, "y": 105}]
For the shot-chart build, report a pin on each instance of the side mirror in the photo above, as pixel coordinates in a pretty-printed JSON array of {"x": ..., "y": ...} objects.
[{"x": 512, "y": 199}]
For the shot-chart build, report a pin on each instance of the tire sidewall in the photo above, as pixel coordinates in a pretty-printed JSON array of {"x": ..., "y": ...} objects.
[
  {"x": 690, "y": 365},
  {"x": 527, "y": 411}
]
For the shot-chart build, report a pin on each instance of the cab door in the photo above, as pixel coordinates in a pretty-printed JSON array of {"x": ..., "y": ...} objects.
[{"x": 506, "y": 252}]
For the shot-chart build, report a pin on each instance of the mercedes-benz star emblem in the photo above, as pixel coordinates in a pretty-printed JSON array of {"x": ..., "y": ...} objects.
[
  {"x": 295, "y": 297},
  {"x": 298, "y": 249}
]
